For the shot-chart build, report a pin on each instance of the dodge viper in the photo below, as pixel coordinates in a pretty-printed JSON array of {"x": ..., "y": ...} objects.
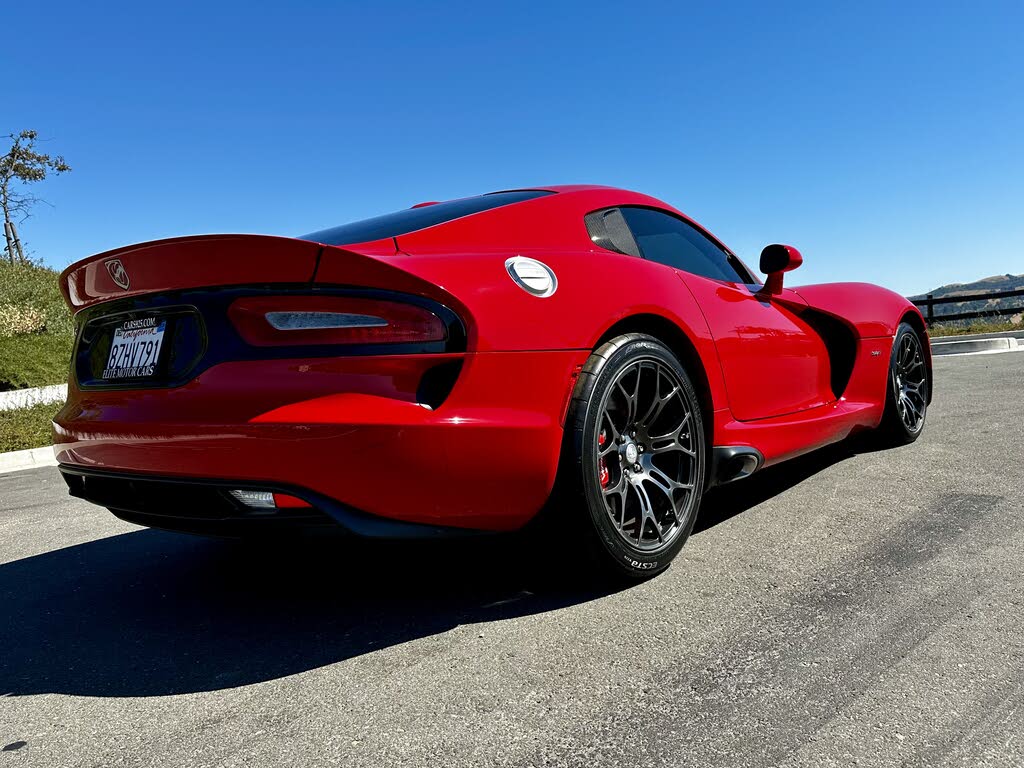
[{"x": 453, "y": 367}]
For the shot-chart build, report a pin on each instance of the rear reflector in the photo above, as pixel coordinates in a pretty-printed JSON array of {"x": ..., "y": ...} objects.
[
  {"x": 268, "y": 499},
  {"x": 267, "y": 321},
  {"x": 284, "y": 501}
]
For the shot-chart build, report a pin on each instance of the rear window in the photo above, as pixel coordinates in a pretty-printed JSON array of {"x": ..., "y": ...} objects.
[{"x": 413, "y": 219}]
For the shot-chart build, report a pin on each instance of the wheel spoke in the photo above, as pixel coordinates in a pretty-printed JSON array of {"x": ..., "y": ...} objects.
[
  {"x": 610, "y": 424},
  {"x": 646, "y": 514},
  {"x": 666, "y": 484},
  {"x": 619, "y": 489},
  {"x": 627, "y": 399},
  {"x": 674, "y": 440},
  {"x": 910, "y": 412},
  {"x": 675, "y": 433},
  {"x": 658, "y": 402},
  {"x": 914, "y": 409},
  {"x": 908, "y": 350},
  {"x": 630, "y": 402}
]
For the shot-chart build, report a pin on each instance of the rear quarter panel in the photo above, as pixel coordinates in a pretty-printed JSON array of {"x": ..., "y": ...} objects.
[{"x": 595, "y": 291}]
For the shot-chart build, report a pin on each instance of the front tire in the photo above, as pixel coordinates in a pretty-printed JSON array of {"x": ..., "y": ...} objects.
[
  {"x": 637, "y": 454},
  {"x": 907, "y": 387}
]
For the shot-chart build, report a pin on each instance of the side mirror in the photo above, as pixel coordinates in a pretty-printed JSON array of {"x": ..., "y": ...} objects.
[{"x": 775, "y": 260}]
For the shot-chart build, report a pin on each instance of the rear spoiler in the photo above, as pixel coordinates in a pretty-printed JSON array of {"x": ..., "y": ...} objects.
[
  {"x": 206, "y": 261},
  {"x": 188, "y": 262}
]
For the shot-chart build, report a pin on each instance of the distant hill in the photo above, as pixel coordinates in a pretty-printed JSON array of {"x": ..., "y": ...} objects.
[{"x": 993, "y": 284}]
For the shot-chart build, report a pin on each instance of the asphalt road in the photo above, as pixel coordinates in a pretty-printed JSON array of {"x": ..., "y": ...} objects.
[{"x": 853, "y": 607}]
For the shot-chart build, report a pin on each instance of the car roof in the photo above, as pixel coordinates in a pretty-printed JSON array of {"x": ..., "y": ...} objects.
[{"x": 567, "y": 203}]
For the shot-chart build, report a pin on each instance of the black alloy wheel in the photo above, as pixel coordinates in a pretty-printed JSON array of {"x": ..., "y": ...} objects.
[{"x": 639, "y": 452}]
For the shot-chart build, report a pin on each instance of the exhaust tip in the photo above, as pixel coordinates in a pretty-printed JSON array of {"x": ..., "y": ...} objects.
[{"x": 734, "y": 462}]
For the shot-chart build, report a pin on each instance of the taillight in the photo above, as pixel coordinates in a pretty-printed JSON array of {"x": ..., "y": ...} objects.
[{"x": 302, "y": 320}]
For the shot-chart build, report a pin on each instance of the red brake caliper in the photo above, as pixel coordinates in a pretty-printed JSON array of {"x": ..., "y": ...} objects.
[{"x": 602, "y": 469}]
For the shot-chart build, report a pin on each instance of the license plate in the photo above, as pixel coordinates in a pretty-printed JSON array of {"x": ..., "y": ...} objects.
[{"x": 135, "y": 349}]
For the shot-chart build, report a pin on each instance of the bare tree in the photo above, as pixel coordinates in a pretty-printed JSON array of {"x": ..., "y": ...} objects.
[{"x": 22, "y": 165}]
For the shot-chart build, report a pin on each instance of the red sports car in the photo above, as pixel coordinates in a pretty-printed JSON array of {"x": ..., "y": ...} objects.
[{"x": 447, "y": 368}]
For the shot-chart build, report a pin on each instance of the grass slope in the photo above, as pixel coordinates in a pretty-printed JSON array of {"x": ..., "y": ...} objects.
[
  {"x": 975, "y": 326},
  {"x": 36, "y": 329}
]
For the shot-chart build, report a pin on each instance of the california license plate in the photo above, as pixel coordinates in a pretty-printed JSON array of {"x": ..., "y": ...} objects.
[{"x": 135, "y": 349}]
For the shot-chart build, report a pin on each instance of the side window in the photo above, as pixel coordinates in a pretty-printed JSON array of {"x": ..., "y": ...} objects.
[{"x": 673, "y": 242}]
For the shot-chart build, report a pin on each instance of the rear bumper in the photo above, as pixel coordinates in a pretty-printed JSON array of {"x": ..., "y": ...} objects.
[
  {"x": 485, "y": 459},
  {"x": 192, "y": 505}
]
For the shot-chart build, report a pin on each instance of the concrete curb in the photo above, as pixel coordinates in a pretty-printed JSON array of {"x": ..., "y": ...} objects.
[
  {"x": 15, "y": 461},
  {"x": 25, "y": 398},
  {"x": 1016, "y": 334},
  {"x": 976, "y": 346}
]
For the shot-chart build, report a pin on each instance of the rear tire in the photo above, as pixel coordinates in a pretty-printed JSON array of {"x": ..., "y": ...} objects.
[
  {"x": 635, "y": 457},
  {"x": 907, "y": 387}
]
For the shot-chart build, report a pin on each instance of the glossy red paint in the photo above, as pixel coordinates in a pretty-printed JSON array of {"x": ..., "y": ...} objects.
[
  {"x": 796, "y": 259},
  {"x": 871, "y": 310},
  {"x": 355, "y": 429},
  {"x": 776, "y": 260},
  {"x": 772, "y": 360},
  {"x": 789, "y": 435},
  {"x": 348, "y": 429},
  {"x": 212, "y": 260}
]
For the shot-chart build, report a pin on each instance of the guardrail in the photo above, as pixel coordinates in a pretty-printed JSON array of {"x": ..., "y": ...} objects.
[{"x": 928, "y": 303}]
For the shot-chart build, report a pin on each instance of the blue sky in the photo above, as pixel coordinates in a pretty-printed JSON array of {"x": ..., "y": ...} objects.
[{"x": 886, "y": 141}]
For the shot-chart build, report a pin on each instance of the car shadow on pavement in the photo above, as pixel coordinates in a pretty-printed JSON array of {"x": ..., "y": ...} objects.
[{"x": 150, "y": 613}]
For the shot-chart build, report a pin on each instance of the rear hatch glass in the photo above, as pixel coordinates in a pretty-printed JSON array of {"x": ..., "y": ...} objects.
[{"x": 420, "y": 217}]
